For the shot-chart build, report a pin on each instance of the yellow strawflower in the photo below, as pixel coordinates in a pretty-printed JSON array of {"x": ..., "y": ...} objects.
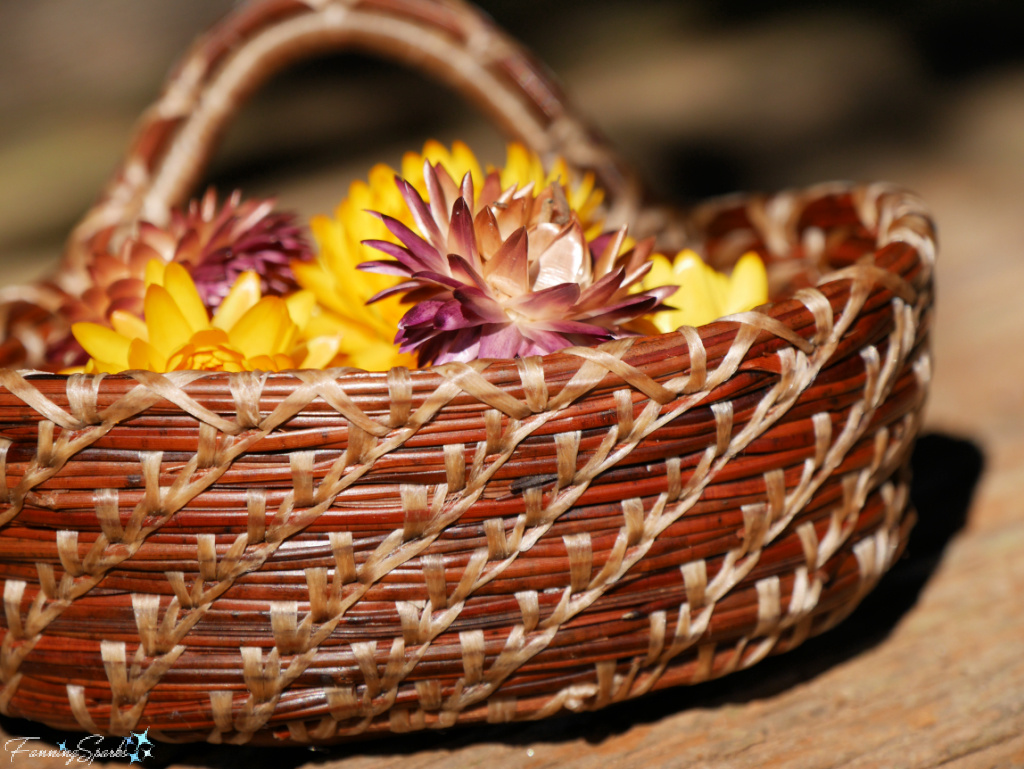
[
  {"x": 368, "y": 331},
  {"x": 705, "y": 294},
  {"x": 247, "y": 333}
]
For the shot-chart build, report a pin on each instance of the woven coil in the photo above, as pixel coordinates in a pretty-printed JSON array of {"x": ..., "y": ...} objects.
[{"x": 318, "y": 555}]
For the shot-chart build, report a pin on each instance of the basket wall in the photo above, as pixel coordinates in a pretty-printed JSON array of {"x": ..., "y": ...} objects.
[{"x": 316, "y": 556}]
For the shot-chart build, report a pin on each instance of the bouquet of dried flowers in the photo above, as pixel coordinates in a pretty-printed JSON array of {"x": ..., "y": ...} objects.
[{"x": 478, "y": 263}]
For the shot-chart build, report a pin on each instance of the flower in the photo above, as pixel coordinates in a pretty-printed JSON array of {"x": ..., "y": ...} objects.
[
  {"x": 705, "y": 294},
  {"x": 368, "y": 332},
  {"x": 248, "y": 332},
  {"x": 506, "y": 272},
  {"x": 216, "y": 245}
]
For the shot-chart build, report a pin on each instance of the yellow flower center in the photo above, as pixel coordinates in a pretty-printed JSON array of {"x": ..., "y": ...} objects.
[{"x": 207, "y": 351}]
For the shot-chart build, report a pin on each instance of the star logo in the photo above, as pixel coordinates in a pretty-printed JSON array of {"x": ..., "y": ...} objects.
[
  {"x": 143, "y": 746},
  {"x": 142, "y": 738}
]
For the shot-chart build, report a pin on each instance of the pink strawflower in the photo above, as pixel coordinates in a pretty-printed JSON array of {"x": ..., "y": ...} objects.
[{"x": 507, "y": 273}]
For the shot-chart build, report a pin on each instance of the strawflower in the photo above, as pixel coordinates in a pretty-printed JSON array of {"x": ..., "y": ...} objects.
[
  {"x": 215, "y": 242},
  {"x": 704, "y": 294},
  {"x": 368, "y": 332},
  {"x": 247, "y": 332},
  {"x": 497, "y": 272}
]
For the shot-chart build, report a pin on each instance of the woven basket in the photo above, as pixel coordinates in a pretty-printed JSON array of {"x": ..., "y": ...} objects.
[{"x": 313, "y": 556}]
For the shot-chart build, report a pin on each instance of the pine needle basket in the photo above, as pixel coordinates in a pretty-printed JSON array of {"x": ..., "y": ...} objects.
[{"x": 316, "y": 556}]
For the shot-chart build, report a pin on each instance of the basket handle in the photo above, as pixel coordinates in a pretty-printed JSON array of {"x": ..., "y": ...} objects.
[{"x": 448, "y": 39}]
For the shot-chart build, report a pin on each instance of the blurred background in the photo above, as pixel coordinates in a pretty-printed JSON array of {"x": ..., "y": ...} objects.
[{"x": 703, "y": 97}]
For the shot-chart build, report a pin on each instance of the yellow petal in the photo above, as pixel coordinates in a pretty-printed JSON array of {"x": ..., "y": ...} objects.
[
  {"x": 142, "y": 355},
  {"x": 748, "y": 286},
  {"x": 324, "y": 323},
  {"x": 435, "y": 152},
  {"x": 702, "y": 297},
  {"x": 168, "y": 329},
  {"x": 362, "y": 196},
  {"x": 263, "y": 330},
  {"x": 320, "y": 351},
  {"x": 103, "y": 367},
  {"x": 283, "y": 362},
  {"x": 300, "y": 307},
  {"x": 463, "y": 161},
  {"x": 327, "y": 233},
  {"x": 242, "y": 297},
  {"x": 517, "y": 169},
  {"x": 181, "y": 287},
  {"x": 382, "y": 181},
  {"x": 313, "y": 277},
  {"x": 380, "y": 357},
  {"x": 412, "y": 169},
  {"x": 103, "y": 344},
  {"x": 260, "y": 363},
  {"x": 660, "y": 274},
  {"x": 155, "y": 272},
  {"x": 129, "y": 325},
  {"x": 210, "y": 337}
]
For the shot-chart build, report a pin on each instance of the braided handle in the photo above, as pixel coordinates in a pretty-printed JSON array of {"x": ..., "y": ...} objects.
[{"x": 448, "y": 39}]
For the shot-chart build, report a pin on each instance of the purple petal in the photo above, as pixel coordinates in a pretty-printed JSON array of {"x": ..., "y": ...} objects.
[
  {"x": 463, "y": 346},
  {"x": 420, "y": 213},
  {"x": 450, "y": 316},
  {"x": 573, "y": 327},
  {"x": 607, "y": 249},
  {"x": 509, "y": 269},
  {"x": 603, "y": 290},
  {"x": 423, "y": 313},
  {"x": 624, "y": 311},
  {"x": 438, "y": 200},
  {"x": 461, "y": 236},
  {"x": 490, "y": 191},
  {"x": 400, "y": 253},
  {"x": 409, "y": 338},
  {"x": 636, "y": 274},
  {"x": 385, "y": 268},
  {"x": 400, "y": 288},
  {"x": 465, "y": 272},
  {"x": 551, "y": 301},
  {"x": 480, "y": 305},
  {"x": 436, "y": 277},
  {"x": 418, "y": 248},
  {"x": 466, "y": 190},
  {"x": 543, "y": 341},
  {"x": 634, "y": 304},
  {"x": 501, "y": 341},
  {"x": 661, "y": 293},
  {"x": 639, "y": 259}
]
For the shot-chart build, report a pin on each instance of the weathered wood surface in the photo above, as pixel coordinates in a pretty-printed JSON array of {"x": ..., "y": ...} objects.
[{"x": 930, "y": 671}]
